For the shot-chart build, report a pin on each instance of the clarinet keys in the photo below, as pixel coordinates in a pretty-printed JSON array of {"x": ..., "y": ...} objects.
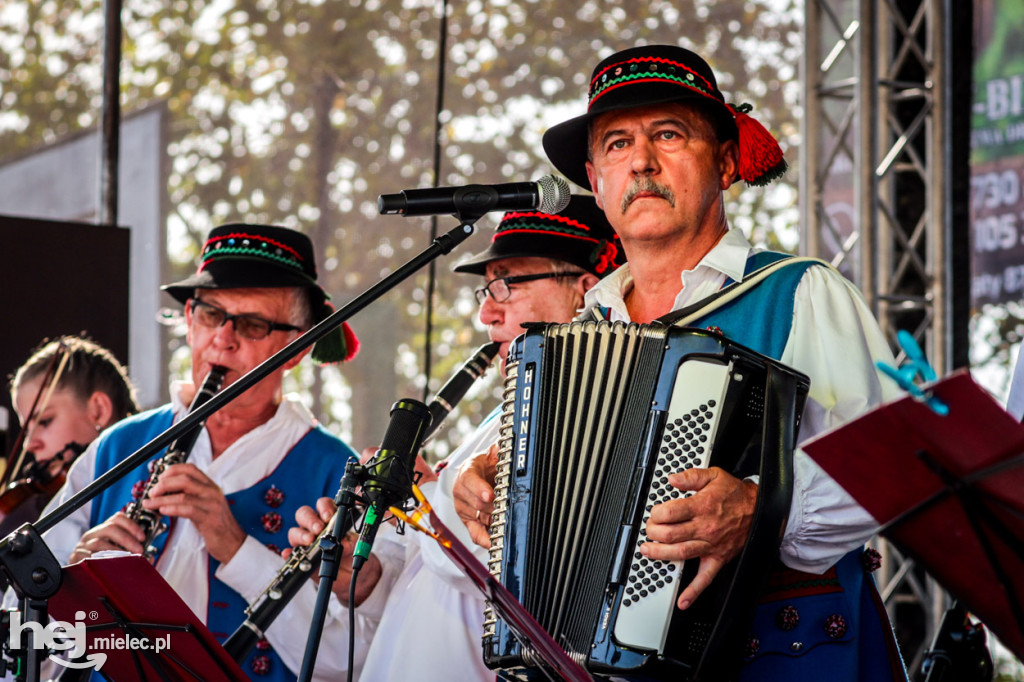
[
  {"x": 151, "y": 549},
  {"x": 151, "y": 521}
]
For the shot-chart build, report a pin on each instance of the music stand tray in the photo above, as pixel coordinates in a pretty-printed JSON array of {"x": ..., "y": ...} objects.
[
  {"x": 124, "y": 599},
  {"x": 948, "y": 490}
]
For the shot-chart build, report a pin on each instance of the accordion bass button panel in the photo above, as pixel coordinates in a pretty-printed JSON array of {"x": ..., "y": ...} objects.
[{"x": 651, "y": 587}]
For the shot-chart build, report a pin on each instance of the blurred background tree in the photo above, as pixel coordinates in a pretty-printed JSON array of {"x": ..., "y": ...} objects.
[{"x": 300, "y": 112}]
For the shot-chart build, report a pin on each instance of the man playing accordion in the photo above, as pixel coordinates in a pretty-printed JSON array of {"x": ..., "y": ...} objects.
[{"x": 658, "y": 147}]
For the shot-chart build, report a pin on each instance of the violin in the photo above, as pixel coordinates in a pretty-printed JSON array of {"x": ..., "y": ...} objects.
[{"x": 39, "y": 481}]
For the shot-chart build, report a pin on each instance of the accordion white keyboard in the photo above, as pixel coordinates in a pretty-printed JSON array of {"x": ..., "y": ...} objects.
[{"x": 690, "y": 427}]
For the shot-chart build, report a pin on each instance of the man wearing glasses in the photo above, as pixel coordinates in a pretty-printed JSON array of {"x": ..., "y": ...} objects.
[
  {"x": 257, "y": 460},
  {"x": 538, "y": 267},
  {"x": 573, "y": 250}
]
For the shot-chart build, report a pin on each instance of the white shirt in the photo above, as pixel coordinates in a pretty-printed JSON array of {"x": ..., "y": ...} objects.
[
  {"x": 835, "y": 341},
  {"x": 243, "y": 464},
  {"x": 432, "y": 621},
  {"x": 1015, "y": 401}
]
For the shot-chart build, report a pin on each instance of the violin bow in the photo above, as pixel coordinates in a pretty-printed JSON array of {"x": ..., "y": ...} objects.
[{"x": 50, "y": 379}]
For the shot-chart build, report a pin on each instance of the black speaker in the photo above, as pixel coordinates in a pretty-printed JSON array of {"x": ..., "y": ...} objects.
[{"x": 59, "y": 278}]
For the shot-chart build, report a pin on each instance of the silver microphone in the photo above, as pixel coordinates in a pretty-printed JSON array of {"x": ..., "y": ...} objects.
[{"x": 549, "y": 194}]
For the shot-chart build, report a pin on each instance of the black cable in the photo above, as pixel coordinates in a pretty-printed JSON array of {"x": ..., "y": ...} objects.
[
  {"x": 352, "y": 623},
  {"x": 432, "y": 271}
]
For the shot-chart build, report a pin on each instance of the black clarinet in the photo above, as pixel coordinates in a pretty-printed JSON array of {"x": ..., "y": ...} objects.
[
  {"x": 455, "y": 389},
  {"x": 151, "y": 521},
  {"x": 305, "y": 560}
]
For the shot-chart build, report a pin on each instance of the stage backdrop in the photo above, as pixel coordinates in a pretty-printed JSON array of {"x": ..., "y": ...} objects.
[
  {"x": 60, "y": 278},
  {"x": 997, "y": 153},
  {"x": 60, "y": 181}
]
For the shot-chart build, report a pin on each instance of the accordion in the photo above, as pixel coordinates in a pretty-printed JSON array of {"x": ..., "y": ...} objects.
[{"x": 595, "y": 415}]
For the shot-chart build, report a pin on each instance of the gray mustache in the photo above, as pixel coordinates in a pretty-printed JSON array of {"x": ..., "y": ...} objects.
[{"x": 645, "y": 185}]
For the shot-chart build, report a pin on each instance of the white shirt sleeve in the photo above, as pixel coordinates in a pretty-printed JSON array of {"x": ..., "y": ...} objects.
[
  {"x": 442, "y": 500},
  {"x": 62, "y": 538},
  {"x": 835, "y": 341},
  {"x": 1015, "y": 400},
  {"x": 390, "y": 549}
]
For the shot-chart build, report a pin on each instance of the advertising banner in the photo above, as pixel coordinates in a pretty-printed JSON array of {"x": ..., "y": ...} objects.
[{"x": 997, "y": 153}]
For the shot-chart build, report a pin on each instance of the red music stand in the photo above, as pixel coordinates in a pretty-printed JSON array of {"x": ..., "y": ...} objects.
[
  {"x": 125, "y": 597},
  {"x": 948, "y": 490}
]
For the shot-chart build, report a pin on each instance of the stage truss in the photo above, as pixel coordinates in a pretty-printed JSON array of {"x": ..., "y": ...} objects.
[{"x": 878, "y": 200}]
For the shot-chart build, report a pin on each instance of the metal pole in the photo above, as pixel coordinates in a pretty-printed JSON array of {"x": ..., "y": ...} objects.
[
  {"x": 442, "y": 51},
  {"x": 866, "y": 182},
  {"x": 110, "y": 142}
]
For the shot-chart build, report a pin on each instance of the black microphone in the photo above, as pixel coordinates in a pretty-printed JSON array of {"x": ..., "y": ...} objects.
[
  {"x": 549, "y": 194},
  {"x": 391, "y": 470}
]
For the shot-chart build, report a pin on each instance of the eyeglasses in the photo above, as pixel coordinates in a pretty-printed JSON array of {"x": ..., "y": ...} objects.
[
  {"x": 499, "y": 290},
  {"x": 251, "y": 327}
]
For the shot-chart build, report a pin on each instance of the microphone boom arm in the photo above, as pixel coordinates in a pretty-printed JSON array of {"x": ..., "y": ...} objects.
[{"x": 442, "y": 245}]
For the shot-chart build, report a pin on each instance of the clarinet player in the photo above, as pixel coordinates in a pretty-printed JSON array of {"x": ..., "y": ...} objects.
[
  {"x": 430, "y": 615},
  {"x": 254, "y": 463},
  {"x": 659, "y": 146}
]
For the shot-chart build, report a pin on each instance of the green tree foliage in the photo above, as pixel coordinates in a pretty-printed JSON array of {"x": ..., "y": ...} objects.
[{"x": 300, "y": 112}]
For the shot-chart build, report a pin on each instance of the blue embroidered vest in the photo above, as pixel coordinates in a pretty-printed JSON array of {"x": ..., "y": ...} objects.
[
  {"x": 806, "y": 627},
  {"x": 312, "y": 468}
]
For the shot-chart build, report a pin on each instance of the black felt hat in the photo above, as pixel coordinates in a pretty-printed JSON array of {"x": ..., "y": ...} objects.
[
  {"x": 659, "y": 74},
  {"x": 579, "y": 234},
  {"x": 243, "y": 256}
]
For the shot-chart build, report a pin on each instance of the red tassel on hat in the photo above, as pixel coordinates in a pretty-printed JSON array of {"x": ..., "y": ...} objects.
[
  {"x": 761, "y": 159},
  {"x": 351, "y": 342},
  {"x": 340, "y": 345}
]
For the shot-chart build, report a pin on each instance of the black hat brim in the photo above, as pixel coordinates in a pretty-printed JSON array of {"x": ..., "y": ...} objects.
[
  {"x": 578, "y": 235},
  {"x": 477, "y": 265}
]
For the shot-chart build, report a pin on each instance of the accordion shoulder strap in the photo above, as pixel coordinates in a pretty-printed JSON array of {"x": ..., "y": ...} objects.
[{"x": 727, "y": 294}]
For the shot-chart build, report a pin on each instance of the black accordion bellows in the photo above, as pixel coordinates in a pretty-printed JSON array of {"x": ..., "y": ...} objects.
[{"x": 595, "y": 416}]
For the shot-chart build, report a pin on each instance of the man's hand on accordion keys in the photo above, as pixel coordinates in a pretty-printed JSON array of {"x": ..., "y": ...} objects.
[
  {"x": 711, "y": 524},
  {"x": 474, "y": 495}
]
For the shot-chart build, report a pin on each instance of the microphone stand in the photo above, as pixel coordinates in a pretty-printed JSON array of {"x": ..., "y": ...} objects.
[
  {"x": 331, "y": 554},
  {"x": 386, "y": 482},
  {"x": 29, "y": 566}
]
